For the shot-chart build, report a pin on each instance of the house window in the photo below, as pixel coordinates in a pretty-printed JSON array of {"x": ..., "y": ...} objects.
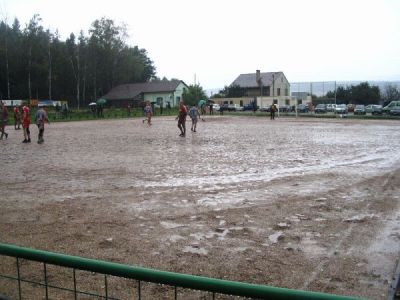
[
  {"x": 287, "y": 102},
  {"x": 159, "y": 100},
  {"x": 178, "y": 99},
  {"x": 241, "y": 102},
  {"x": 266, "y": 91},
  {"x": 278, "y": 91},
  {"x": 286, "y": 92}
]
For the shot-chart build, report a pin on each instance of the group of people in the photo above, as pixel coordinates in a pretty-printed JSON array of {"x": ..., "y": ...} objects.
[
  {"x": 183, "y": 111},
  {"x": 22, "y": 117},
  {"x": 194, "y": 114}
]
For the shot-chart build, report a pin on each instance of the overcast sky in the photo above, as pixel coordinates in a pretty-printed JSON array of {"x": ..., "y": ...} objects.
[{"x": 216, "y": 40}]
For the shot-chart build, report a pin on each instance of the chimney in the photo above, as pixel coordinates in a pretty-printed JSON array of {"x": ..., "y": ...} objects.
[{"x": 258, "y": 77}]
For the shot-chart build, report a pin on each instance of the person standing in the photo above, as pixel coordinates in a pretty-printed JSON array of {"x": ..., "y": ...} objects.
[
  {"x": 17, "y": 118},
  {"x": 203, "y": 107},
  {"x": 194, "y": 115},
  {"x": 272, "y": 111},
  {"x": 182, "y": 118},
  {"x": 211, "y": 109},
  {"x": 148, "y": 112},
  {"x": 40, "y": 119},
  {"x": 3, "y": 120},
  {"x": 26, "y": 121}
]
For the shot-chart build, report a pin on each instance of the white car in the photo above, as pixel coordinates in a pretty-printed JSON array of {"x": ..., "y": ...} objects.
[
  {"x": 341, "y": 109},
  {"x": 331, "y": 107},
  {"x": 235, "y": 107},
  {"x": 216, "y": 107}
]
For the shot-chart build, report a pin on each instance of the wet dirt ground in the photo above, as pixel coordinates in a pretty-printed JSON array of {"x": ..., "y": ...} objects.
[{"x": 308, "y": 204}]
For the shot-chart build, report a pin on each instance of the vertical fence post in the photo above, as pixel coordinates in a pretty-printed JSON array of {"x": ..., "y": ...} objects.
[
  {"x": 139, "y": 296},
  {"x": 176, "y": 293},
  {"x": 105, "y": 285},
  {"x": 45, "y": 280},
  {"x": 19, "y": 280},
  {"x": 75, "y": 295}
]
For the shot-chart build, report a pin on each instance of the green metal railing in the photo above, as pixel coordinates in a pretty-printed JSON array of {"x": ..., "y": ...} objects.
[{"x": 176, "y": 280}]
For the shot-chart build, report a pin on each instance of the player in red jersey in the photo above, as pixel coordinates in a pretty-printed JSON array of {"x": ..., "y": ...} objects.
[
  {"x": 182, "y": 118},
  {"x": 26, "y": 121}
]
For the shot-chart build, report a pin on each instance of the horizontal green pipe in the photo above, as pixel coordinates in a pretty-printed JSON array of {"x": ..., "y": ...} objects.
[{"x": 162, "y": 277}]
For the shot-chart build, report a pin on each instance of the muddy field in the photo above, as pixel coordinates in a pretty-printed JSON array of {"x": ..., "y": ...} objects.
[{"x": 307, "y": 204}]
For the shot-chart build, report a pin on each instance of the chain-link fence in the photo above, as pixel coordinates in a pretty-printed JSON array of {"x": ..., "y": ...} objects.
[{"x": 321, "y": 88}]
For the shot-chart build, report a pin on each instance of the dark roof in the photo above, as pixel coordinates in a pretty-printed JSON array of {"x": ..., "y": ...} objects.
[
  {"x": 132, "y": 90},
  {"x": 249, "y": 80}
]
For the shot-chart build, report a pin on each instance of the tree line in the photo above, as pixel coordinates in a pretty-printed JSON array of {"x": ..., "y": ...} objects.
[
  {"x": 36, "y": 64},
  {"x": 364, "y": 93}
]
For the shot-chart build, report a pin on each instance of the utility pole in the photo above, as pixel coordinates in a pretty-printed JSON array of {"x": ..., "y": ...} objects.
[{"x": 49, "y": 59}]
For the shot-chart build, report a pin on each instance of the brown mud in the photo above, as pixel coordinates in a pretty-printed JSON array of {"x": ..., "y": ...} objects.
[{"x": 297, "y": 203}]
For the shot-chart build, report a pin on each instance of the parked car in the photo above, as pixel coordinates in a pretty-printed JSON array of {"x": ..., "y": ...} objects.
[
  {"x": 216, "y": 107},
  {"x": 377, "y": 110},
  {"x": 368, "y": 108},
  {"x": 235, "y": 107},
  {"x": 395, "y": 111},
  {"x": 330, "y": 107},
  {"x": 359, "y": 109},
  {"x": 374, "y": 109},
  {"x": 320, "y": 109},
  {"x": 284, "y": 108},
  {"x": 302, "y": 108},
  {"x": 224, "y": 107},
  {"x": 250, "y": 106},
  {"x": 341, "y": 109},
  {"x": 390, "y": 106},
  {"x": 264, "y": 109}
]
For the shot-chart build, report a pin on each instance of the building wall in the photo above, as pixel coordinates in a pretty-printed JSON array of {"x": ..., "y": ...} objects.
[
  {"x": 280, "y": 93},
  {"x": 177, "y": 95},
  {"x": 281, "y": 87},
  {"x": 159, "y": 98},
  {"x": 163, "y": 98},
  {"x": 239, "y": 101}
]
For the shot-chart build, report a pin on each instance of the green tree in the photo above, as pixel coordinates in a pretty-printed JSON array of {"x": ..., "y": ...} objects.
[
  {"x": 194, "y": 94},
  {"x": 232, "y": 91},
  {"x": 35, "y": 63},
  {"x": 390, "y": 93},
  {"x": 362, "y": 93}
]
